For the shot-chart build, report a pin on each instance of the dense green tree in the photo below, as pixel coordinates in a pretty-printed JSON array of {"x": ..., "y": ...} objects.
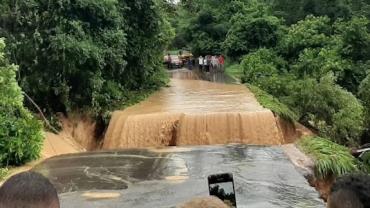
[
  {"x": 354, "y": 46},
  {"x": 312, "y": 32},
  {"x": 317, "y": 62},
  {"x": 328, "y": 108},
  {"x": 202, "y": 25},
  {"x": 75, "y": 54},
  {"x": 294, "y": 11},
  {"x": 355, "y": 37},
  {"x": 264, "y": 68},
  {"x": 364, "y": 95},
  {"x": 21, "y": 136},
  {"x": 248, "y": 34}
]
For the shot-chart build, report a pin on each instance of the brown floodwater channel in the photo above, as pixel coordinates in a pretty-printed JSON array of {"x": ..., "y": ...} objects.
[{"x": 194, "y": 111}]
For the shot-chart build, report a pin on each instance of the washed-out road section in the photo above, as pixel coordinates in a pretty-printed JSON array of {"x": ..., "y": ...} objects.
[{"x": 166, "y": 177}]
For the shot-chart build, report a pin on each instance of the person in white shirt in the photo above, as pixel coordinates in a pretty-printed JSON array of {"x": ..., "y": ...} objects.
[
  {"x": 206, "y": 64},
  {"x": 214, "y": 63},
  {"x": 201, "y": 62}
]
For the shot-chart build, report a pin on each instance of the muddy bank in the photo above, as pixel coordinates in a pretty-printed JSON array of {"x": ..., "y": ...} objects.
[{"x": 79, "y": 133}]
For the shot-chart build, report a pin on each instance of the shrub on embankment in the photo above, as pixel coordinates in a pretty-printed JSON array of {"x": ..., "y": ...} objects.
[
  {"x": 330, "y": 158},
  {"x": 269, "y": 102},
  {"x": 21, "y": 136},
  {"x": 85, "y": 54},
  {"x": 317, "y": 75}
]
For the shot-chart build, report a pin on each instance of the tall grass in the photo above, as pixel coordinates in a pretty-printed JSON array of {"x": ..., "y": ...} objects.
[
  {"x": 272, "y": 103},
  {"x": 331, "y": 159}
]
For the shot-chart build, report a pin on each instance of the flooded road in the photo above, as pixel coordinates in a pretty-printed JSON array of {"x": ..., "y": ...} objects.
[
  {"x": 188, "y": 94},
  {"x": 194, "y": 112},
  {"x": 264, "y": 177}
]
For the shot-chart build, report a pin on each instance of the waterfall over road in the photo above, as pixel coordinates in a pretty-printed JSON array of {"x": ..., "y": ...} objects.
[{"x": 194, "y": 112}]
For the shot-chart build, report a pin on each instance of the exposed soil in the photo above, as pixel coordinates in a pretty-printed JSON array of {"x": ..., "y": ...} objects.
[{"x": 323, "y": 186}]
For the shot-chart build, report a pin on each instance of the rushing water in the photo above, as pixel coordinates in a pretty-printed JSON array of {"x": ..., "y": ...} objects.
[
  {"x": 264, "y": 177},
  {"x": 194, "y": 112}
]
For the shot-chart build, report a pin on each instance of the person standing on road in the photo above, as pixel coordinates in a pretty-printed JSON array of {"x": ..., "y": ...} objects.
[
  {"x": 190, "y": 63},
  {"x": 201, "y": 61},
  {"x": 214, "y": 63},
  {"x": 221, "y": 62},
  {"x": 207, "y": 62}
]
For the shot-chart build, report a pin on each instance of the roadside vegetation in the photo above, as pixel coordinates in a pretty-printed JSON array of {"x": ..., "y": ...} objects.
[
  {"x": 88, "y": 56},
  {"x": 21, "y": 135},
  {"x": 310, "y": 59},
  {"x": 330, "y": 158},
  {"x": 269, "y": 102}
]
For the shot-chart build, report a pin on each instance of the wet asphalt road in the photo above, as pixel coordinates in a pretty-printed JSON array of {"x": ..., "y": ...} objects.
[{"x": 263, "y": 176}]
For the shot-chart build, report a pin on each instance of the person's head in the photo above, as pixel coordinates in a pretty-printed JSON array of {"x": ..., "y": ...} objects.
[
  {"x": 352, "y": 191},
  {"x": 204, "y": 202},
  {"x": 28, "y": 190}
]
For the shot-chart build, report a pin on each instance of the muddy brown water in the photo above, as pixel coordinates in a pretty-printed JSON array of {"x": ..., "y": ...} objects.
[{"x": 192, "y": 111}]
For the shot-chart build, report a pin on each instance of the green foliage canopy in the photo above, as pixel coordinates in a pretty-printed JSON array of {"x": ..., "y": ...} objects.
[
  {"x": 85, "y": 53},
  {"x": 248, "y": 34},
  {"x": 21, "y": 135}
]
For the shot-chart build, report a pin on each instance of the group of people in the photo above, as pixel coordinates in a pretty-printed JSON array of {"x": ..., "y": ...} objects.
[
  {"x": 211, "y": 63},
  {"x": 33, "y": 190}
]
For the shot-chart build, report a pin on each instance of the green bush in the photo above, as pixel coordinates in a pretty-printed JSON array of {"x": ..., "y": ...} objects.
[
  {"x": 312, "y": 32},
  {"x": 269, "y": 102},
  {"x": 21, "y": 136},
  {"x": 261, "y": 64},
  {"x": 355, "y": 37},
  {"x": 325, "y": 106},
  {"x": 317, "y": 62},
  {"x": 269, "y": 71},
  {"x": 248, "y": 34},
  {"x": 264, "y": 68},
  {"x": 330, "y": 158}
]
